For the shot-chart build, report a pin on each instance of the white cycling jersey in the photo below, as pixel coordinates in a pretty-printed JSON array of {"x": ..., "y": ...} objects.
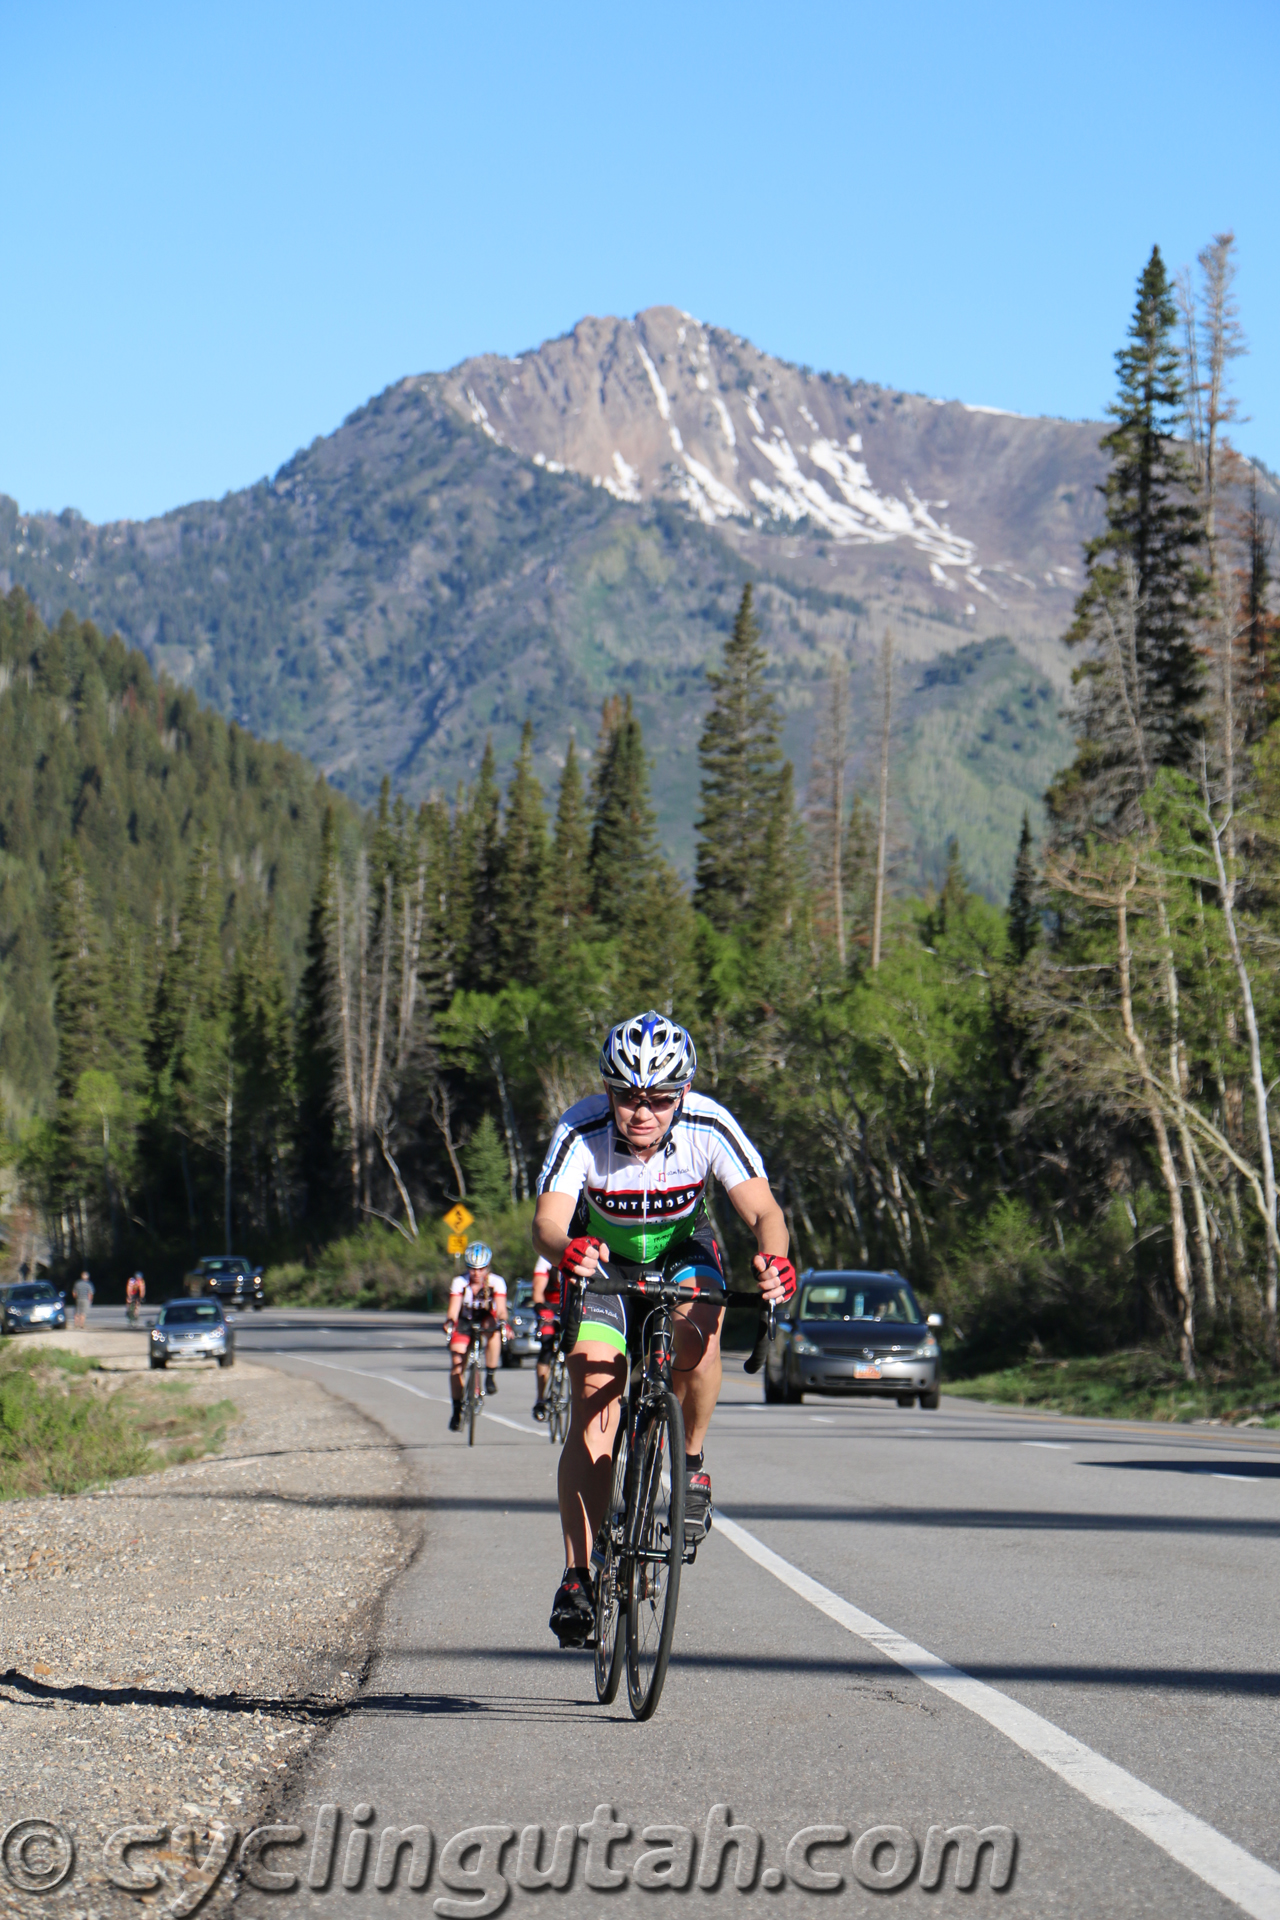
[
  {"x": 465, "y": 1296},
  {"x": 642, "y": 1207}
]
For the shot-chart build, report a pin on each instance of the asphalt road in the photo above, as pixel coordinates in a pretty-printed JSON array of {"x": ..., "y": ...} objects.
[{"x": 1107, "y": 1589}]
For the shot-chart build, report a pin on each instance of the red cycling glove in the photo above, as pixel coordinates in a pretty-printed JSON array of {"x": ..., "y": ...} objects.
[
  {"x": 785, "y": 1272},
  {"x": 577, "y": 1250}
]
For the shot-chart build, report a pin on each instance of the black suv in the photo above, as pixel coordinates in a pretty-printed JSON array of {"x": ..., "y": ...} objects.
[{"x": 227, "y": 1277}]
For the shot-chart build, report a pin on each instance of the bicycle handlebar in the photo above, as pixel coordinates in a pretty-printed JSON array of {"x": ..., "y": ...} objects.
[{"x": 686, "y": 1290}]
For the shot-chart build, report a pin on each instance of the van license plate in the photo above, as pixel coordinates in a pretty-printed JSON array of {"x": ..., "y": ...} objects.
[{"x": 866, "y": 1373}]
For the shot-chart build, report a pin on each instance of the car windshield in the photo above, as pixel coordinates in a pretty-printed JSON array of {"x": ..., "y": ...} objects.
[
  {"x": 860, "y": 1299},
  {"x": 523, "y": 1293},
  {"x": 223, "y": 1266},
  {"x": 186, "y": 1312},
  {"x": 26, "y": 1296}
]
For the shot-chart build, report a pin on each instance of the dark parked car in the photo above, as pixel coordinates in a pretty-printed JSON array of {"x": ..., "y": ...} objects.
[
  {"x": 31, "y": 1306},
  {"x": 854, "y": 1333},
  {"x": 192, "y": 1330},
  {"x": 522, "y": 1318},
  {"x": 227, "y": 1277}
]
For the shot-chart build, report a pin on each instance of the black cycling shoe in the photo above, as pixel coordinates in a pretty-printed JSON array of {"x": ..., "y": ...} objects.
[
  {"x": 697, "y": 1504},
  {"x": 490, "y": 1383},
  {"x": 573, "y": 1611},
  {"x": 539, "y": 1409},
  {"x": 455, "y": 1418}
]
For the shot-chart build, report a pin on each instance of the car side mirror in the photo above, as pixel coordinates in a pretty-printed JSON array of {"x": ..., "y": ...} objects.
[{"x": 934, "y": 1320}]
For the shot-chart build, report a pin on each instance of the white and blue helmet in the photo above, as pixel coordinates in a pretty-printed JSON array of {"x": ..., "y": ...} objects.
[
  {"x": 649, "y": 1052},
  {"x": 477, "y": 1256}
]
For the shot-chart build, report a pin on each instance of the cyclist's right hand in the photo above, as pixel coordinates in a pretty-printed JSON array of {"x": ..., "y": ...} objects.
[
  {"x": 583, "y": 1257},
  {"x": 449, "y": 1326}
]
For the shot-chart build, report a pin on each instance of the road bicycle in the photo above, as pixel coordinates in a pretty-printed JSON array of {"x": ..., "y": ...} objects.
[
  {"x": 557, "y": 1398},
  {"x": 473, "y": 1372},
  {"x": 641, "y": 1546}
]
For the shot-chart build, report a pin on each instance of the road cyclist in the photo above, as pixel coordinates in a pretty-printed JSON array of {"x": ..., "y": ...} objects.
[
  {"x": 477, "y": 1310},
  {"x": 135, "y": 1293},
  {"x": 624, "y": 1184},
  {"x": 546, "y": 1298}
]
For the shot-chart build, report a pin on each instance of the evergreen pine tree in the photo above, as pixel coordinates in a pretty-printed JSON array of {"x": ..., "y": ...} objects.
[
  {"x": 568, "y": 889},
  {"x": 523, "y": 866},
  {"x": 488, "y": 1170},
  {"x": 624, "y": 854},
  {"x": 315, "y": 1066},
  {"x": 1023, "y": 917},
  {"x": 744, "y": 834},
  {"x": 1142, "y": 680},
  {"x": 483, "y": 961}
]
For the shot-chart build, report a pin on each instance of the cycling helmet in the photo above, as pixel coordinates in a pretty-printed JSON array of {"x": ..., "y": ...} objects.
[
  {"x": 649, "y": 1052},
  {"x": 477, "y": 1255}
]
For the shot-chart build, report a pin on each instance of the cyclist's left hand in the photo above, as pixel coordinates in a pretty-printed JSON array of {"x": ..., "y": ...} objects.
[{"x": 777, "y": 1277}]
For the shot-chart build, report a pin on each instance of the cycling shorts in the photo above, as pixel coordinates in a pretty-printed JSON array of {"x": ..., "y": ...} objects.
[
  {"x": 603, "y": 1317},
  {"x": 480, "y": 1324}
]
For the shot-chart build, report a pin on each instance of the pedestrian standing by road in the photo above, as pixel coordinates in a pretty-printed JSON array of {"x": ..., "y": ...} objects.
[{"x": 83, "y": 1292}]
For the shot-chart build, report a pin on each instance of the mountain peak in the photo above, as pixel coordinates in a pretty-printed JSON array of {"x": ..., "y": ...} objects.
[{"x": 663, "y": 406}]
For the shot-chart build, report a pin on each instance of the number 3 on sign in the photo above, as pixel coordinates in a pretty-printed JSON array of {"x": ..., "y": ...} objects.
[{"x": 456, "y": 1243}]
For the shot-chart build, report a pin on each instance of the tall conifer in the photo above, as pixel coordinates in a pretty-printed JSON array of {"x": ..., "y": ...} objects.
[
  {"x": 523, "y": 865},
  {"x": 744, "y": 831},
  {"x": 568, "y": 887},
  {"x": 1023, "y": 918},
  {"x": 1142, "y": 679},
  {"x": 624, "y": 835}
]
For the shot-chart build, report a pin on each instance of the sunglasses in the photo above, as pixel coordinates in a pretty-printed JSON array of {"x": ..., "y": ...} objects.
[{"x": 656, "y": 1102}]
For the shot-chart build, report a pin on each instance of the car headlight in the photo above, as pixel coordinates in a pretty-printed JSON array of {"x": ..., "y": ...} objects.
[
  {"x": 156, "y": 1334},
  {"x": 928, "y": 1350},
  {"x": 800, "y": 1345}
]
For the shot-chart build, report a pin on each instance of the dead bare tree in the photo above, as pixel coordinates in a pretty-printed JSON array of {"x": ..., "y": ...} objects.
[
  {"x": 375, "y": 952},
  {"x": 882, "y": 834},
  {"x": 826, "y": 808}
]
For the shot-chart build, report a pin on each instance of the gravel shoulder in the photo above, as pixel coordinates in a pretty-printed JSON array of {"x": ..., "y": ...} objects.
[{"x": 174, "y": 1643}]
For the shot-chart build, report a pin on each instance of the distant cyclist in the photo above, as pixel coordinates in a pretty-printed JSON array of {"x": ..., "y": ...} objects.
[
  {"x": 135, "y": 1292},
  {"x": 624, "y": 1182},
  {"x": 477, "y": 1304},
  {"x": 546, "y": 1298}
]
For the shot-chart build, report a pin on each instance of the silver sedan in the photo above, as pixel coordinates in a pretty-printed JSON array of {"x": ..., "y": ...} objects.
[
  {"x": 854, "y": 1333},
  {"x": 192, "y": 1330}
]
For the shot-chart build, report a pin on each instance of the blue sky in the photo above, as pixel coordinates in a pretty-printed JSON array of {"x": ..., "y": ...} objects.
[{"x": 227, "y": 226}]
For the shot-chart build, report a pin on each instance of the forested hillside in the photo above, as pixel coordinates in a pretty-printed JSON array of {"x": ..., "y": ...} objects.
[{"x": 119, "y": 795}]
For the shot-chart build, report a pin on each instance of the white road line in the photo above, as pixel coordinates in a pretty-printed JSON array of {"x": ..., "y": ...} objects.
[
  {"x": 362, "y": 1373},
  {"x": 1219, "y": 1862},
  {"x": 1056, "y": 1446},
  {"x": 1250, "y": 1479}
]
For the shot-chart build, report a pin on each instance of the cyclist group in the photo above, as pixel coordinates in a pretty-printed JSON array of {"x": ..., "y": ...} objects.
[{"x": 624, "y": 1186}]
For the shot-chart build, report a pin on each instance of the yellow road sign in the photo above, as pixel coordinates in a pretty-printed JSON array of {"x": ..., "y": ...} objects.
[
  {"x": 457, "y": 1243},
  {"x": 458, "y": 1220}
]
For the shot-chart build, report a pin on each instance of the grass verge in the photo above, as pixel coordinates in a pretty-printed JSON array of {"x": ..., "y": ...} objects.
[
  {"x": 1138, "y": 1385},
  {"x": 66, "y": 1426}
]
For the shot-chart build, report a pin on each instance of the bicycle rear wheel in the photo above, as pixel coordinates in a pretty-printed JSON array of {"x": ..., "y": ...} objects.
[
  {"x": 655, "y": 1551},
  {"x": 609, "y": 1598}
]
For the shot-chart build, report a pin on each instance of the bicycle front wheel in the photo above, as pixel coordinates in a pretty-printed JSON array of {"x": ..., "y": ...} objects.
[
  {"x": 655, "y": 1551},
  {"x": 473, "y": 1403},
  {"x": 609, "y": 1598},
  {"x": 558, "y": 1401}
]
